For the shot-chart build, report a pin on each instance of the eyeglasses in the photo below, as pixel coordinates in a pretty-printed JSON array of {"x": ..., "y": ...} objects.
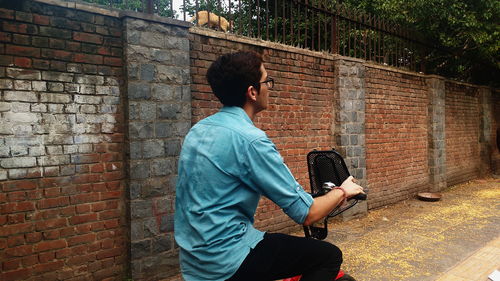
[{"x": 269, "y": 82}]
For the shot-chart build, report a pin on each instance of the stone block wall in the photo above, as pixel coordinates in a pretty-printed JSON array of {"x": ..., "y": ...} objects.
[
  {"x": 159, "y": 116},
  {"x": 62, "y": 208}
]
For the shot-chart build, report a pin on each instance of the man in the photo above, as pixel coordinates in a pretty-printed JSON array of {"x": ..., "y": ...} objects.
[{"x": 226, "y": 164}]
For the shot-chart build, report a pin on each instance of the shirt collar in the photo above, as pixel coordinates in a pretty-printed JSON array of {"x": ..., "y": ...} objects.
[{"x": 238, "y": 111}]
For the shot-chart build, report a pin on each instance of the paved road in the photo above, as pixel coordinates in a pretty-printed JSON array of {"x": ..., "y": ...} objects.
[{"x": 422, "y": 241}]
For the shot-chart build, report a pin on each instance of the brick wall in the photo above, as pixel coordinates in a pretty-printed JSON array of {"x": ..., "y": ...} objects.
[
  {"x": 396, "y": 135},
  {"x": 300, "y": 113},
  {"x": 462, "y": 132},
  {"x": 61, "y": 145},
  {"x": 87, "y": 94},
  {"x": 495, "y": 133}
]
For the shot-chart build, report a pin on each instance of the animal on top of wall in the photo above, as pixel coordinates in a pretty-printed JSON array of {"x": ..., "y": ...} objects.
[{"x": 213, "y": 21}]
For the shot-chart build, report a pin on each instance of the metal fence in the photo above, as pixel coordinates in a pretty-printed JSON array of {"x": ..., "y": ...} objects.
[{"x": 319, "y": 25}]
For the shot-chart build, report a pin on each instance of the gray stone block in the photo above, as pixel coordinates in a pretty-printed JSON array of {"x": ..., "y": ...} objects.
[
  {"x": 160, "y": 55},
  {"x": 173, "y": 147},
  {"x": 138, "y": 90},
  {"x": 5, "y": 106},
  {"x": 17, "y": 151},
  {"x": 25, "y": 96},
  {"x": 136, "y": 230},
  {"x": 167, "y": 223},
  {"x": 164, "y": 130},
  {"x": 152, "y": 149},
  {"x": 140, "y": 249},
  {"x": 169, "y": 111},
  {"x": 4, "y": 150},
  {"x": 162, "y": 244},
  {"x": 135, "y": 189},
  {"x": 57, "y": 76},
  {"x": 139, "y": 170},
  {"x": 141, "y": 130},
  {"x": 162, "y": 92},
  {"x": 141, "y": 209},
  {"x": 17, "y": 173},
  {"x": 135, "y": 150},
  {"x": 147, "y": 72},
  {"x": 27, "y": 74},
  {"x": 147, "y": 110},
  {"x": 151, "y": 227},
  {"x": 163, "y": 167},
  {"x": 18, "y": 162}
]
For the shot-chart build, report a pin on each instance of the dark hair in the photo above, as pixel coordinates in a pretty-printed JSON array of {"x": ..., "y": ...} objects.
[{"x": 231, "y": 75}]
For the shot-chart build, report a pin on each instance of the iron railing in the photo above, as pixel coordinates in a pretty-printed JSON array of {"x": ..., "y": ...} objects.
[{"x": 319, "y": 25}]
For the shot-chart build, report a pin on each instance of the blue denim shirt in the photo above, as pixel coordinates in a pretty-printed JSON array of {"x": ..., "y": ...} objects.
[{"x": 226, "y": 164}]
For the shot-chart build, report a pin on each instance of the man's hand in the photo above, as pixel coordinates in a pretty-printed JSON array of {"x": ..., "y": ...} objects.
[{"x": 351, "y": 188}]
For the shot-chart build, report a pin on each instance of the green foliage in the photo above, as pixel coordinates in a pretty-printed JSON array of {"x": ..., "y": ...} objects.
[{"x": 466, "y": 33}]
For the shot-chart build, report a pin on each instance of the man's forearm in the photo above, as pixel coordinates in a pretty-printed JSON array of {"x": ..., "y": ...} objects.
[{"x": 323, "y": 205}]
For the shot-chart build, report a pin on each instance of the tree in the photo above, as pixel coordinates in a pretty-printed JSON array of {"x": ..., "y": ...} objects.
[{"x": 466, "y": 33}]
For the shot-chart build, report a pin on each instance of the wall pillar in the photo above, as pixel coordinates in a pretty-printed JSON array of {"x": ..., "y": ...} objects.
[
  {"x": 159, "y": 116},
  {"x": 485, "y": 140},
  {"x": 437, "y": 134},
  {"x": 349, "y": 125}
]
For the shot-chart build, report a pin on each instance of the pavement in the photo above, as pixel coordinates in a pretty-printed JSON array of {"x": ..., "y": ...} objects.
[{"x": 454, "y": 239}]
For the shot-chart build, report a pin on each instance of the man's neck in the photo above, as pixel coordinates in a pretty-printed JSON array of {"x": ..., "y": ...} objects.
[{"x": 250, "y": 110}]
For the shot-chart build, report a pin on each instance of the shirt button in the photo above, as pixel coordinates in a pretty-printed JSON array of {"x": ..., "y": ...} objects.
[{"x": 297, "y": 188}]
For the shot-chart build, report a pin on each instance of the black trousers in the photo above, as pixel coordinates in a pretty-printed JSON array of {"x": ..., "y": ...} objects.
[{"x": 281, "y": 256}]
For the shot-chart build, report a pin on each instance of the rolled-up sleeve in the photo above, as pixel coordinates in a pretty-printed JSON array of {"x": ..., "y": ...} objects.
[{"x": 268, "y": 174}]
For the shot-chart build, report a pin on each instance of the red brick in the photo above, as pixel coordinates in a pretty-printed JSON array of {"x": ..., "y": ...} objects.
[
  {"x": 109, "y": 253},
  {"x": 16, "y": 207},
  {"x": 46, "y": 257},
  {"x": 6, "y": 14},
  {"x": 33, "y": 237},
  {"x": 52, "y": 192},
  {"x": 16, "y": 218},
  {"x": 15, "y": 240},
  {"x": 83, "y": 228},
  {"x": 50, "y": 245},
  {"x": 100, "y": 186},
  {"x": 68, "y": 231},
  {"x": 51, "y": 223},
  {"x": 41, "y": 20},
  {"x": 83, "y": 208},
  {"x": 87, "y": 37},
  {"x": 86, "y": 178},
  {"x": 63, "y": 253},
  {"x": 22, "y": 51},
  {"x": 86, "y": 58},
  {"x": 109, "y": 214},
  {"x": 21, "y": 274},
  {"x": 30, "y": 260},
  {"x": 8, "y": 230},
  {"x": 51, "y": 235},
  {"x": 110, "y": 224},
  {"x": 83, "y": 219},
  {"x": 113, "y": 176},
  {"x": 20, "y": 28},
  {"x": 82, "y": 239},
  {"x": 112, "y": 61},
  {"x": 23, "y": 62},
  {"x": 5, "y": 37},
  {"x": 11, "y": 264},
  {"x": 19, "y": 251},
  {"x": 53, "y": 202},
  {"x": 97, "y": 168},
  {"x": 16, "y": 196},
  {"x": 57, "y": 54},
  {"x": 84, "y": 198},
  {"x": 47, "y": 267},
  {"x": 81, "y": 259},
  {"x": 19, "y": 185},
  {"x": 97, "y": 226}
]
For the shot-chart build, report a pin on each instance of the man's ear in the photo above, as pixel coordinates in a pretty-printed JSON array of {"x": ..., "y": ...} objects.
[{"x": 251, "y": 93}]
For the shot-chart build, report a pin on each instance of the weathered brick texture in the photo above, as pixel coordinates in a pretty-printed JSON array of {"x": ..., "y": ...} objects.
[
  {"x": 61, "y": 145},
  {"x": 396, "y": 135},
  {"x": 94, "y": 102},
  {"x": 462, "y": 132}
]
